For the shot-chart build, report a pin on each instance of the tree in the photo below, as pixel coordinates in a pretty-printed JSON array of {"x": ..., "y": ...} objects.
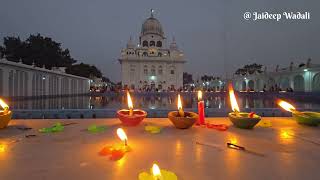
[
  {"x": 84, "y": 70},
  {"x": 43, "y": 51},
  {"x": 249, "y": 69},
  {"x": 187, "y": 78}
]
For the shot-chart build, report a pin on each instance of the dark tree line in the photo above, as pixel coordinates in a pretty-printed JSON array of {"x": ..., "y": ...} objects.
[
  {"x": 249, "y": 69},
  {"x": 43, "y": 51}
]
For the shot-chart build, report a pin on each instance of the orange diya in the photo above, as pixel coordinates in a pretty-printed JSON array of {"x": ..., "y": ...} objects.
[
  {"x": 5, "y": 115},
  {"x": 131, "y": 117},
  {"x": 181, "y": 119}
]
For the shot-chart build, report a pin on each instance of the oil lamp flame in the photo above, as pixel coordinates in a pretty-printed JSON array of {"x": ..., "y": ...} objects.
[
  {"x": 233, "y": 100},
  {"x": 179, "y": 102},
  {"x": 130, "y": 105},
  {"x": 156, "y": 171},
  {"x": 199, "y": 95},
  {"x": 286, "y": 106},
  {"x": 122, "y": 135},
  {"x": 3, "y": 104}
]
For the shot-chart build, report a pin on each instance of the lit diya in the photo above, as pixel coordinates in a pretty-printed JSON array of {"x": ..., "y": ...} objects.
[
  {"x": 241, "y": 120},
  {"x": 157, "y": 174},
  {"x": 116, "y": 152},
  {"x": 5, "y": 115},
  {"x": 131, "y": 117},
  {"x": 182, "y": 119},
  {"x": 307, "y": 118}
]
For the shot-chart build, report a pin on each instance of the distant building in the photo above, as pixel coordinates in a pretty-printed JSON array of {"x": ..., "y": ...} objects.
[
  {"x": 150, "y": 64},
  {"x": 21, "y": 80},
  {"x": 304, "y": 77}
]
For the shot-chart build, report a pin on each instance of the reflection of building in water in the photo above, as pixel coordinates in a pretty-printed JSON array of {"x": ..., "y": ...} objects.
[
  {"x": 301, "y": 78},
  {"x": 21, "y": 80},
  {"x": 74, "y": 102},
  {"x": 150, "y": 64}
]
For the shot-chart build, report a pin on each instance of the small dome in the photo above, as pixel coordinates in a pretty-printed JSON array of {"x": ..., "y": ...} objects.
[{"x": 152, "y": 26}]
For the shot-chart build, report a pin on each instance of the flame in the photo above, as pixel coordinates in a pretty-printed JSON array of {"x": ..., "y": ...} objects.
[
  {"x": 130, "y": 105},
  {"x": 121, "y": 134},
  {"x": 3, "y": 104},
  {"x": 199, "y": 95},
  {"x": 286, "y": 106},
  {"x": 156, "y": 171},
  {"x": 233, "y": 100},
  {"x": 179, "y": 102},
  {"x": 2, "y": 148}
]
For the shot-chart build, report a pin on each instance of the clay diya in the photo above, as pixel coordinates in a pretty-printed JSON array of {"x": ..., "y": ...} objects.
[
  {"x": 131, "y": 117},
  {"x": 5, "y": 115},
  {"x": 239, "y": 119},
  {"x": 181, "y": 119},
  {"x": 306, "y": 118}
]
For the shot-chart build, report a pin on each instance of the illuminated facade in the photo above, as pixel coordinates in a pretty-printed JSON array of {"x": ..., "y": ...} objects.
[{"x": 301, "y": 78}]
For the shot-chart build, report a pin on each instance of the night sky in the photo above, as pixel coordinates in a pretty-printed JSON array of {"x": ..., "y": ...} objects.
[{"x": 212, "y": 33}]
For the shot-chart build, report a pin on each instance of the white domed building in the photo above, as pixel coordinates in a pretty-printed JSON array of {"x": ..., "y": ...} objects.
[{"x": 149, "y": 63}]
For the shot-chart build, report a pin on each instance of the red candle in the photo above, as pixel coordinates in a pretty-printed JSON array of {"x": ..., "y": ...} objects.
[{"x": 201, "y": 120}]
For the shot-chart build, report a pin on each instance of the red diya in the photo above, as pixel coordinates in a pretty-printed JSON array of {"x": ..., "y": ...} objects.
[
  {"x": 131, "y": 117},
  {"x": 116, "y": 152}
]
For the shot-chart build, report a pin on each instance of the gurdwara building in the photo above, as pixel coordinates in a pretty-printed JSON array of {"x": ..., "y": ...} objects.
[{"x": 150, "y": 63}]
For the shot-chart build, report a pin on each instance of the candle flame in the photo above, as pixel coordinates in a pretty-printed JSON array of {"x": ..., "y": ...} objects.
[
  {"x": 122, "y": 135},
  {"x": 156, "y": 170},
  {"x": 179, "y": 102},
  {"x": 2, "y": 148},
  {"x": 3, "y": 104},
  {"x": 130, "y": 105},
  {"x": 233, "y": 100},
  {"x": 199, "y": 95},
  {"x": 286, "y": 106}
]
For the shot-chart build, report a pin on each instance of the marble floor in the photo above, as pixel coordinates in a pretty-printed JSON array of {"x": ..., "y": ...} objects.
[{"x": 286, "y": 150}]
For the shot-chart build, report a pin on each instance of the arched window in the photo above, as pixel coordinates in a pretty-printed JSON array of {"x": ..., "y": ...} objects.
[
  {"x": 152, "y": 43},
  {"x": 172, "y": 71},
  {"x": 160, "y": 71},
  {"x": 145, "y": 43},
  {"x": 159, "y": 54},
  {"x": 159, "y": 44},
  {"x": 145, "y": 54},
  {"x": 153, "y": 70},
  {"x": 145, "y": 69}
]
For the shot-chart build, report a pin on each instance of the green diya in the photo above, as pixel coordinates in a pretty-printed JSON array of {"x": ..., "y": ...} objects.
[
  {"x": 239, "y": 119},
  {"x": 244, "y": 120},
  {"x": 306, "y": 118}
]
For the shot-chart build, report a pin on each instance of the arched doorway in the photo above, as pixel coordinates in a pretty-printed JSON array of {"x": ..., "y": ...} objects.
[
  {"x": 244, "y": 86},
  {"x": 298, "y": 83},
  {"x": 284, "y": 83},
  {"x": 316, "y": 83},
  {"x": 251, "y": 85}
]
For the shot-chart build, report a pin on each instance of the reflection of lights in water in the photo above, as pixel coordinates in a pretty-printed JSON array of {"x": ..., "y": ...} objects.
[{"x": 152, "y": 107}]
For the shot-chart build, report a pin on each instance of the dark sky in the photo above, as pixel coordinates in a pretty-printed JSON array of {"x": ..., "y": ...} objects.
[{"x": 212, "y": 33}]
